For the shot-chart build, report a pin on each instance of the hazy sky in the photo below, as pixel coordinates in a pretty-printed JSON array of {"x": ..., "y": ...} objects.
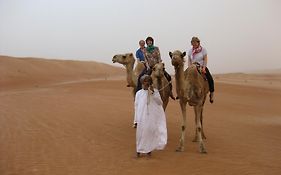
[{"x": 239, "y": 35}]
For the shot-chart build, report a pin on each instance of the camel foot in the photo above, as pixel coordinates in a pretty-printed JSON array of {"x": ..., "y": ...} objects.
[
  {"x": 202, "y": 149},
  {"x": 195, "y": 140},
  {"x": 203, "y": 152},
  {"x": 179, "y": 149}
]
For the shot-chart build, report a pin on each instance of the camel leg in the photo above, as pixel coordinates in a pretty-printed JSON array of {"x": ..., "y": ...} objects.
[
  {"x": 198, "y": 112},
  {"x": 195, "y": 139},
  {"x": 182, "y": 139},
  {"x": 202, "y": 130},
  {"x": 201, "y": 120}
]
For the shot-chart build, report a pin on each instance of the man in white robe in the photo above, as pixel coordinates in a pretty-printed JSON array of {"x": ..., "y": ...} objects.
[{"x": 150, "y": 118}]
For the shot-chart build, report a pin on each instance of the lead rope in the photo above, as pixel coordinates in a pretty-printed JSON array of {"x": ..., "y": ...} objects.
[{"x": 165, "y": 86}]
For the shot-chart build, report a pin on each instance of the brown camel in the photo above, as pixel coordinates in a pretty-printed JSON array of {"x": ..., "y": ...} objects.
[
  {"x": 161, "y": 83},
  {"x": 158, "y": 78},
  {"x": 191, "y": 88}
]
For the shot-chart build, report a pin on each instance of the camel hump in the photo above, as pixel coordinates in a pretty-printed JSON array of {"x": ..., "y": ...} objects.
[
  {"x": 139, "y": 68},
  {"x": 197, "y": 67}
]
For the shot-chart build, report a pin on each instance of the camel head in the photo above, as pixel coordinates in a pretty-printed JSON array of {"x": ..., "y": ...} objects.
[
  {"x": 177, "y": 58},
  {"x": 158, "y": 70},
  {"x": 125, "y": 59}
]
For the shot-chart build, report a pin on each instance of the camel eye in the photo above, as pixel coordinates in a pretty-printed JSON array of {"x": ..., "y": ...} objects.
[{"x": 123, "y": 56}]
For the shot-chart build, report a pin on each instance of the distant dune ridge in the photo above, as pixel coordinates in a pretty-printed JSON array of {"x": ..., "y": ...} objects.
[
  {"x": 34, "y": 71},
  {"x": 265, "y": 78}
]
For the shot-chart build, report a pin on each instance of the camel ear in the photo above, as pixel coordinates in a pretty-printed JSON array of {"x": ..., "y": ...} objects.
[
  {"x": 183, "y": 54},
  {"x": 130, "y": 54},
  {"x": 170, "y": 53}
]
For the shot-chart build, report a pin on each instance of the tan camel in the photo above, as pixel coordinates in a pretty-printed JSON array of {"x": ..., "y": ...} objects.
[
  {"x": 128, "y": 61},
  {"x": 191, "y": 88},
  {"x": 158, "y": 78}
]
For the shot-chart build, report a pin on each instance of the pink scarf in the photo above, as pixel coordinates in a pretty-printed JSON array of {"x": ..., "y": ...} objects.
[{"x": 197, "y": 50}]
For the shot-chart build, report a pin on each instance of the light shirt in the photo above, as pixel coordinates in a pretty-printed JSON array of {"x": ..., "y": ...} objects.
[{"x": 198, "y": 57}]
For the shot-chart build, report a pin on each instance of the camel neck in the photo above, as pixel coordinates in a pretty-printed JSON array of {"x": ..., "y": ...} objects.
[
  {"x": 160, "y": 86},
  {"x": 179, "y": 75},
  {"x": 129, "y": 70},
  {"x": 179, "y": 72}
]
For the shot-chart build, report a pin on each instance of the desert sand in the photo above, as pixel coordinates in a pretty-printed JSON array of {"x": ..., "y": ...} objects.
[{"x": 75, "y": 118}]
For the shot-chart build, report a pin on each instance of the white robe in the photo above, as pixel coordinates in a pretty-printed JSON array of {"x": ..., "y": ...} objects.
[{"x": 151, "y": 121}]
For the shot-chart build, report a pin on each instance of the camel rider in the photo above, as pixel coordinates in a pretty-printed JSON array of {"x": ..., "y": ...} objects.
[
  {"x": 140, "y": 52},
  {"x": 152, "y": 57},
  {"x": 198, "y": 54}
]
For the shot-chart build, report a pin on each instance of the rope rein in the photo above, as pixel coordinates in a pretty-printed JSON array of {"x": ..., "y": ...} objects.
[{"x": 165, "y": 86}]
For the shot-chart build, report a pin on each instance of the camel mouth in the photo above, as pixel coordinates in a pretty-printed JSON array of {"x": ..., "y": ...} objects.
[
  {"x": 175, "y": 64},
  {"x": 113, "y": 61}
]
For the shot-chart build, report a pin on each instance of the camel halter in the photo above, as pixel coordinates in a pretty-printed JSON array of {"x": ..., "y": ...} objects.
[{"x": 165, "y": 86}]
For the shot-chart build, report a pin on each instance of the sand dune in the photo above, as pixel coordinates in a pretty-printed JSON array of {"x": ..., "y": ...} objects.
[
  {"x": 270, "y": 79},
  {"x": 85, "y": 127},
  {"x": 19, "y": 72}
]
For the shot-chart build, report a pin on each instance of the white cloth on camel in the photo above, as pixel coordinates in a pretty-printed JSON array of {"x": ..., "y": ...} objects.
[{"x": 151, "y": 121}]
